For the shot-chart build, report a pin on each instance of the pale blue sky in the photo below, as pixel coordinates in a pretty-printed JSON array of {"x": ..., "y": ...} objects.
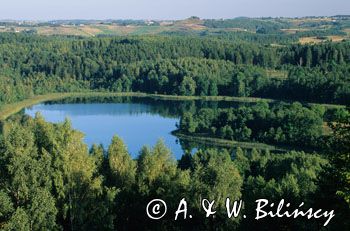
[{"x": 166, "y": 9}]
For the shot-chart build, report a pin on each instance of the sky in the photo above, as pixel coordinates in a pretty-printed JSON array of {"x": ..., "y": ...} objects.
[{"x": 167, "y": 9}]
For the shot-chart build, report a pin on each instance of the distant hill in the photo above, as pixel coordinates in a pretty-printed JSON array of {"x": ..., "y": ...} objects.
[{"x": 305, "y": 29}]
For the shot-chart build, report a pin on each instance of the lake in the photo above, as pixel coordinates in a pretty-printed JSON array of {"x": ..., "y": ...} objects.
[{"x": 138, "y": 121}]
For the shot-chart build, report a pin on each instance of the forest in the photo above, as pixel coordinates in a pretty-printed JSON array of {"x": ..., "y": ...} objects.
[
  {"x": 32, "y": 65},
  {"x": 51, "y": 180},
  {"x": 276, "y": 124}
]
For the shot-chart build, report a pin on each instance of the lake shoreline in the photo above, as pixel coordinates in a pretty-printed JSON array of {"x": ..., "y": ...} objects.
[
  {"x": 227, "y": 143},
  {"x": 9, "y": 109}
]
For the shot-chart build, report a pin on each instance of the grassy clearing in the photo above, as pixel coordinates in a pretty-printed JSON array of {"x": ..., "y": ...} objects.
[
  {"x": 277, "y": 74},
  {"x": 347, "y": 31},
  {"x": 326, "y": 129},
  {"x": 97, "y": 29},
  {"x": 294, "y": 30},
  {"x": 333, "y": 38},
  {"x": 9, "y": 109}
]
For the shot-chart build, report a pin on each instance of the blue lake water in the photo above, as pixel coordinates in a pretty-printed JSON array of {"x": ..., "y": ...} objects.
[
  {"x": 133, "y": 122},
  {"x": 138, "y": 121}
]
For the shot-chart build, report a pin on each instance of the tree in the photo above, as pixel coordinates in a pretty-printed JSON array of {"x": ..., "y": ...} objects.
[
  {"x": 68, "y": 172},
  {"x": 202, "y": 87},
  {"x": 187, "y": 123},
  {"x": 157, "y": 177},
  {"x": 19, "y": 221},
  {"x": 293, "y": 176},
  {"x": 308, "y": 57},
  {"x": 6, "y": 208},
  {"x": 241, "y": 161},
  {"x": 339, "y": 154},
  {"x": 214, "y": 177},
  {"x": 157, "y": 169},
  {"x": 239, "y": 85},
  {"x": 27, "y": 182},
  {"x": 213, "y": 88},
  {"x": 187, "y": 86},
  {"x": 42, "y": 211},
  {"x": 97, "y": 152},
  {"x": 123, "y": 168}
]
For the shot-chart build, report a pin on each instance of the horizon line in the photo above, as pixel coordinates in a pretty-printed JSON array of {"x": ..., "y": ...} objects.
[{"x": 175, "y": 19}]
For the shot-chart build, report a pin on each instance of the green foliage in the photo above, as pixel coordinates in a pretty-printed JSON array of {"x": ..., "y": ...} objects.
[
  {"x": 338, "y": 146},
  {"x": 279, "y": 123},
  {"x": 48, "y": 177},
  {"x": 157, "y": 171},
  {"x": 187, "y": 123},
  {"x": 122, "y": 167},
  {"x": 215, "y": 177},
  {"x": 6, "y": 206},
  {"x": 19, "y": 221},
  {"x": 49, "y": 180},
  {"x": 33, "y": 65},
  {"x": 292, "y": 176},
  {"x": 187, "y": 86}
]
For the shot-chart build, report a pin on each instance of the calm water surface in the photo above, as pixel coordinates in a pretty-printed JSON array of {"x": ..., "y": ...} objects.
[
  {"x": 138, "y": 121},
  {"x": 134, "y": 123}
]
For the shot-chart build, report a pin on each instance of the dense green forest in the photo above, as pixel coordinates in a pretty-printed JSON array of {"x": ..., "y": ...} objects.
[
  {"x": 32, "y": 65},
  {"x": 276, "y": 124},
  {"x": 51, "y": 180}
]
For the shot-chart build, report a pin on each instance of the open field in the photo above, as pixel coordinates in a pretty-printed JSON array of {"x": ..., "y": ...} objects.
[
  {"x": 106, "y": 29},
  {"x": 277, "y": 74},
  {"x": 299, "y": 21},
  {"x": 334, "y": 38},
  {"x": 294, "y": 30},
  {"x": 191, "y": 25},
  {"x": 347, "y": 31}
]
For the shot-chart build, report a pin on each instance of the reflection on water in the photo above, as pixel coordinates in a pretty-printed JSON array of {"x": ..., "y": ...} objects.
[
  {"x": 132, "y": 122},
  {"x": 138, "y": 121}
]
